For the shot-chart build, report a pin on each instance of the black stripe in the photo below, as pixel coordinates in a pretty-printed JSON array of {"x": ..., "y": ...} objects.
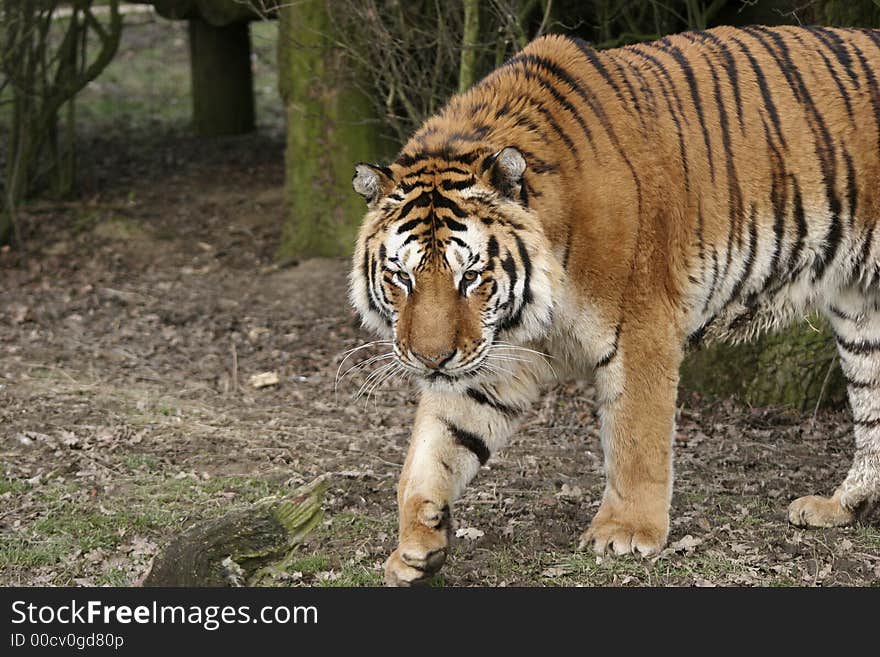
[
  {"x": 559, "y": 97},
  {"x": 457, "y": 184},
  {"x": 593, "y": 57},
  {"x": 629, "y": 87},
  {"x": 844, "y": 94},
  {"x": 832, "y": 41},
  {"x": 592, "y": 102},
  {"x": 567, "y": 253},
  {"x": 868, "y": 424},
  {"x": 872, "y": 85},
  {"x": 492, "y": 248},
  {"x": 825, "y": 147},
  {"x": 801, "y": 223},
  {"x": 423, "y": 200},
  {"x": 781, "y": 56},
  {"x": 551, "y": 121},
  {"x": 750, "y": 256},
  {"x": 837, "y": 312},
  {"x": 714, "y": 279},
  {"x": 460, "y": 242},
  {"x": 853, "y": 383},
  {"x": 765, "y": 90},
  {"x": 861, "y": 347},
  {"x": 509, "y": 266},
  {"x": 452, "y": 224},
  {"x": 408, "y": 225},
  {"x": 373, "y": 297},
  {"x": 482, "y": 398},
  {"x": 469, "y": 440},
  {"x": 734, "y": 191},
  {"x": 664, "y": 45},
  {"x": 607, "y": 358},
  {"x": 441, "y": 201},
  {"x": 408, "y": 159},
  {"x": 730, "y": 68},
  {"x": 779, "y": 202},
  {"x": 644, "y": 87},
  {"x": 852, "y": 192},
  {"x": 514, "y": 320},
  {"x": 682, "y": 150}
]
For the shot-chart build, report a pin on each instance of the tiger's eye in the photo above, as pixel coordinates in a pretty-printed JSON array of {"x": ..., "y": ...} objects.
[
  {"x": 403, "y": 276},
  {"x": 470, "y": 276}
]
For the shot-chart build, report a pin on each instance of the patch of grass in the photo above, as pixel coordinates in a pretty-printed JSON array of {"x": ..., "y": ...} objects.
[
  {"x": 151, "y": 505},
  {"x": 580, "y": 568},
  {"x": 10, "y": 485},
  {"x": 354, "y": 575},
  {"x": 113, "y": 577},
  {"x": 136, "y": 462},
  {"x": 868, "y": 535},
  {"x": 310, "y": 564}
]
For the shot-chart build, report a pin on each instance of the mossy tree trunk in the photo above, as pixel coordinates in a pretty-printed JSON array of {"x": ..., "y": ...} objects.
[
  {"x": 331, "y": 126},
  {"x": 797, "y": 367},
  {"x": 222, "y": 82}
]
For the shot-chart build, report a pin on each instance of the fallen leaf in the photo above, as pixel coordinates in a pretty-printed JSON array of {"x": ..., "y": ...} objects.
[
  {"x": 686, "y": 543},
  {"x": 570, "y": 492}
]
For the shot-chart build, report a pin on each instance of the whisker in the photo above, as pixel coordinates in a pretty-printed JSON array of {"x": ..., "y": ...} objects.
[
  {"x": 510, "y": 345},
  {"x": 359, "y": 365},
  {"x": 372, "y": 377},
  {"x": 502, "y": 346},
  {"x": 380, "y": 382},
  {"x": 347, "y": 354}
]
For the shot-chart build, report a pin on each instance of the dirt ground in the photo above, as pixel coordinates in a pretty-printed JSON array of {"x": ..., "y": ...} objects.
[{"x": 128, "y": 335}]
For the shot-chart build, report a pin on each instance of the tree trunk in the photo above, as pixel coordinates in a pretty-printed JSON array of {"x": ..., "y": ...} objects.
[
  {"x": 222, "y": 82},
  {"x": 797, "y": 367},
  {"x": 468, "y": 63},
  {"x": 331, "y": 125},
  {"x": 244, "y": 547}
]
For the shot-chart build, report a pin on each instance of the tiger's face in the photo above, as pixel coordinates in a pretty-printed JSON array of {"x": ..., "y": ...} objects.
[{"x": 450, "y": 262}]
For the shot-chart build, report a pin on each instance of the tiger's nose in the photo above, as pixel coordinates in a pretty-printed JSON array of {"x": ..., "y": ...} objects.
[{"x": 434, "y": 360}]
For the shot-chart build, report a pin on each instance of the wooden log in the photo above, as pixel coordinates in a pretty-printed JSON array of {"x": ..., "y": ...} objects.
[{"x": 245, "y": 547}]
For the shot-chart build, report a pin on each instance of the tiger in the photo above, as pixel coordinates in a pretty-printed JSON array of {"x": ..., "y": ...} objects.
[{"x": 596, "y": 214}]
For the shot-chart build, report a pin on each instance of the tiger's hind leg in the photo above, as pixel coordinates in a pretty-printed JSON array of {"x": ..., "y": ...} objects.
[{"x": 855, "y": 317}]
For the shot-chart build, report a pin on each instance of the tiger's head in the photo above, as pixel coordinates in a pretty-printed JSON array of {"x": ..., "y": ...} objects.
[{"x": 450, "y": 261}]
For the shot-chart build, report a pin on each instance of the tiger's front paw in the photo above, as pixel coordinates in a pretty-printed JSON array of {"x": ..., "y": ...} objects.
[
  {"x": 626, "y": 531},
  {"x": 424, "y": 545},
  {"x": 817, "y": 511}
]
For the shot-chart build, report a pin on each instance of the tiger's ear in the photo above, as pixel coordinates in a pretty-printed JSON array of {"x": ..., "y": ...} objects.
[
  {"x": 505, "y": 171},
  {"x": 372, "y": 181}
]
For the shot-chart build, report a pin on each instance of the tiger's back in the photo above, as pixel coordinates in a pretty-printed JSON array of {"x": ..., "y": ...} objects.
[{"x": 747, "y": 157}]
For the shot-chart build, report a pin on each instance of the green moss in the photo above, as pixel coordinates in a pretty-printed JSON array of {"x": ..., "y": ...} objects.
[
  {"x": 797, "y": 367},
  {"x": 330, "y": 127}
]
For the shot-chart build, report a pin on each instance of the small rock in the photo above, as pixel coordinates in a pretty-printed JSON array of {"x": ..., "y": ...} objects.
[
  {"x": 264, "y": 380},
  {"x": 470, "y": 533}
]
